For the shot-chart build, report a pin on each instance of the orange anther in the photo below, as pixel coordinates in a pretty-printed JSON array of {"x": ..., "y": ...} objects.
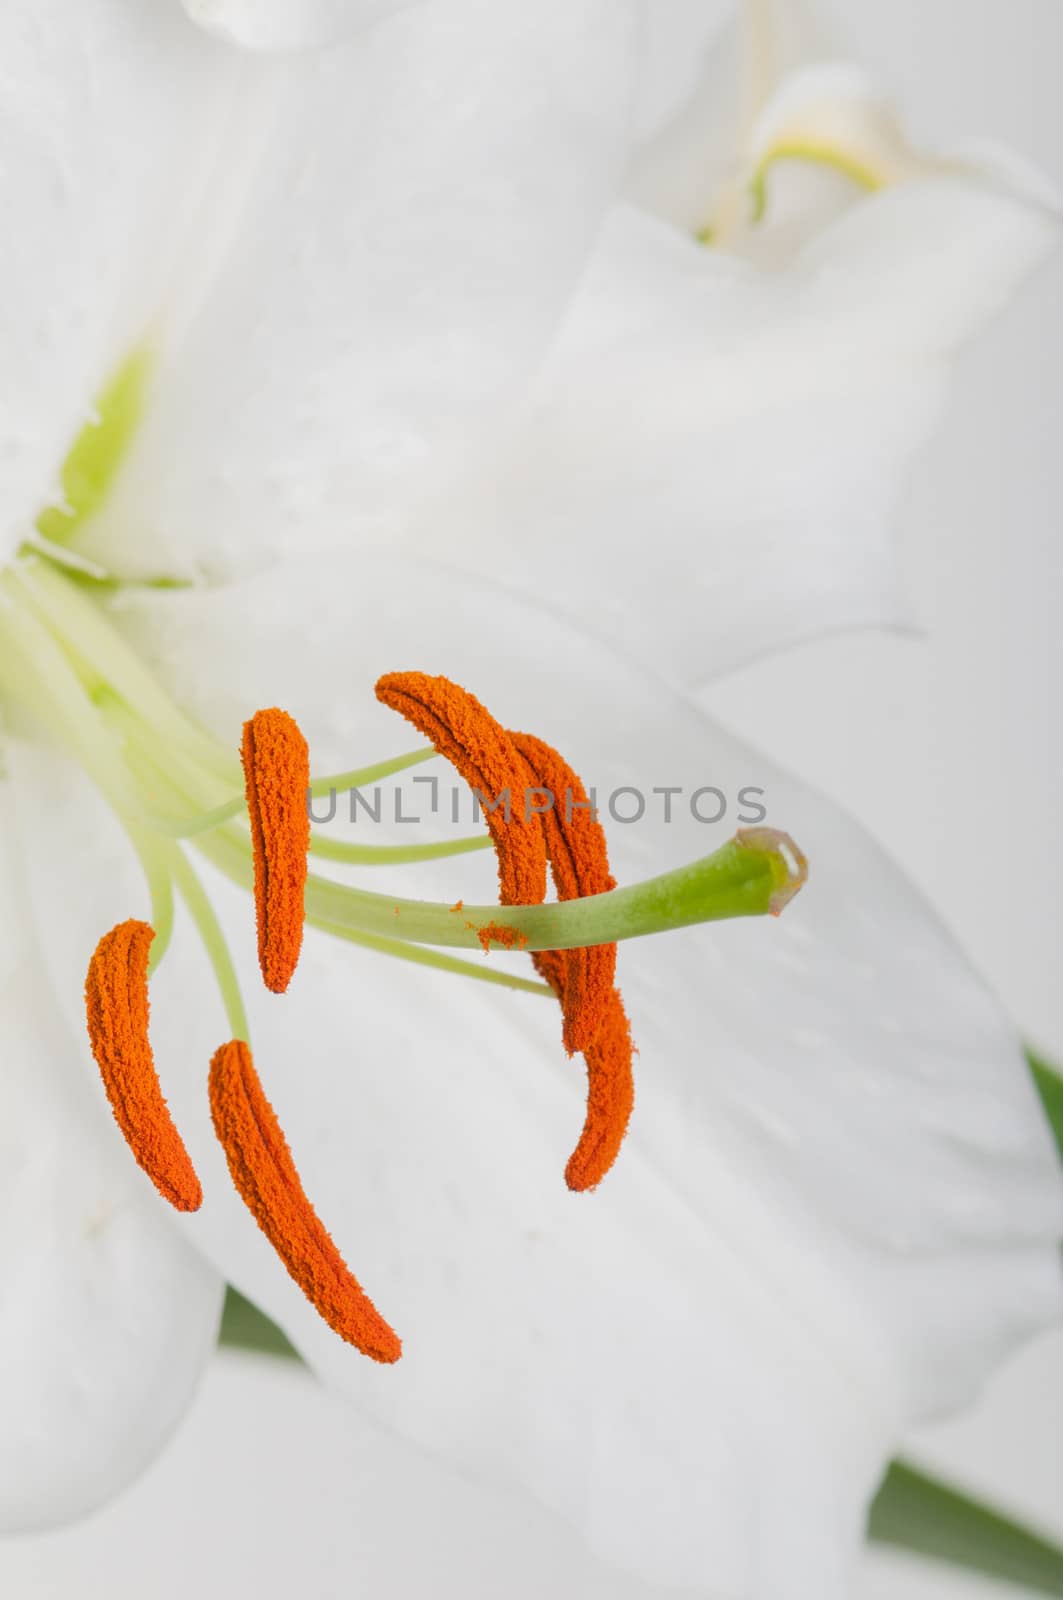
[
  {"x": 481, "y": 750},
  {"x": 116, "y": 1001},
  {"x": 276, "y": 777},
  {"x": 610, "y": 1083},
  {"x": 568, "y": 836},
  {"x": 579, "y": 865},
  {"x": 610, "y": 1098},
  {"x": 264, "y": 1173}
]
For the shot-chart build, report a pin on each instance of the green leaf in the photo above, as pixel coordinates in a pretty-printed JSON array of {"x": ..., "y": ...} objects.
[
  {"x": 916, "y": 1513},
  {"x": 1050, "y": 1087},
  {"x": 245, "y": 1327}
]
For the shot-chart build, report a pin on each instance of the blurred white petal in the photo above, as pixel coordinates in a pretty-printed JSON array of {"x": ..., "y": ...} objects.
[
  {"x": 422, "y": 206},
  {"x": 713, "y": 457},
  {"x": 678, "y": 40},
  {"x": 707, "y": 73},
  {"x": 106, "y": 108},
  {"x": 108, "y": 1314},
  {"x": 835, "y": 107},
  {"x": 287, "y": 24}
]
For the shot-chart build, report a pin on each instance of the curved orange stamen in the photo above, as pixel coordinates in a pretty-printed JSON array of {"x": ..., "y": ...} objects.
[
  {"x": 579, "y": 865},
  {"x": 481, "y": 750},
  {"x": 610, "y": 1098},
  {"x": 276, "y": 764},
  {"x": 610, "y": 1082},
  {"x": 116, "y": 1002},
  {"x": 264, "y": 1173},
  {"x": 493, "y": 760},
  {"x": 594, "y": 1018}
]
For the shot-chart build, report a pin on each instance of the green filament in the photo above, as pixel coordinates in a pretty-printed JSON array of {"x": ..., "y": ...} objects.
[
  {"x": 360, "y": 776},
  {"x": 214, "y": 943},
  {"x": 425, "y": 956},
  {"x": 162, "y": 775},
  {"x": 157, "y": 869},
  {"x": 78, "y": 622},
  {"x": 379, "y": 855}
]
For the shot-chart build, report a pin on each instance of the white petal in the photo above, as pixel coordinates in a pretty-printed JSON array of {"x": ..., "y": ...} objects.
[
  {"x": 107, "y": 1314},
  {"x": 287, "y": 24},
  {"x": 783, "y": 37},
  {"x": 417, "y": 222},
  {"x": 767, "y": 40},
  {"x": 827, "y": 137},
  {"x": 705, "y": 80},
  {"x": 835, "y": 106},
  {"x": 711, "y": 465},
  {"x": 824, "y": 140},
  {"x": 689, "y": 117},
  {"x": 677, "y": 42},
  {"x": 104, "y": 109},
  {"x": 838, "y": 1207}
]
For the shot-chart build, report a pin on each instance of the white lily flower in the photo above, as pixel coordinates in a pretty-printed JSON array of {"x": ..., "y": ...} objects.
[
  {"x": 429, "y": 192},
  {"x": 836, "y": 1210},
  {"x": 754, "y": 400},
  {"x": 832, "y": 1216}
]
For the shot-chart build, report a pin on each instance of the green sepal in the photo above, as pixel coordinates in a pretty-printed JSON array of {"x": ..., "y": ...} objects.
[
  {"x": 245, "y": 1327},
  {"x": 1050, "y": 1088}
]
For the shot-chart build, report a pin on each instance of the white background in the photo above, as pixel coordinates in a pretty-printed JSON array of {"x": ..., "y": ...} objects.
[{"x": 950, "y": 749}]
